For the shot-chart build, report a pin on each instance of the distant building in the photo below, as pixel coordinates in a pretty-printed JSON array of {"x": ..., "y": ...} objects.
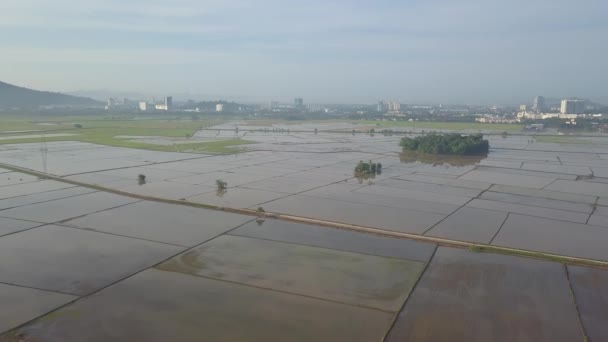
[
  {"x": 572, "y": 107},
  {"x": 567, "y": 107},
  {"x": 523, "y": 108},
  {"x": 115, "y": 103},
  {"x": 381, "y": 107},
  {"x": 494, "y": 119},
  {"x": 168, "y": 103},
  {"x": 298, "y": 102},
  {"x": 219, "y": 107},
  {"x": 273, "y": 105},
  {"x": 542, "y": 116},
  {"x": 539, "y": 104},
  {"x": 312, "y": 107},
  {"x": 143, "y": 106},
  {"x": 394, "y": 106}
]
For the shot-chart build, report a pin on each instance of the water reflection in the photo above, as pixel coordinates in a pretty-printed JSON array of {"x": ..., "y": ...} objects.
[
  {"x": 141, "y": 180},
  {"x": 221, "y": 192},
  {"x": 440, "y": 159},
  {"x": 366, "y": 176}
]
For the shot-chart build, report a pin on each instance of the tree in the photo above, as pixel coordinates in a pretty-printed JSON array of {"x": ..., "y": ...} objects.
[
  {"x": 221, "y": 185},
  {"x": 364, "y": 171}
]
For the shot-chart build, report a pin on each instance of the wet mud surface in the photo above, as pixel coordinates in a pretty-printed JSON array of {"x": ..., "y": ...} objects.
[
  {"x": 357, "y": 279},
  {"x": 465, "y": 296}
]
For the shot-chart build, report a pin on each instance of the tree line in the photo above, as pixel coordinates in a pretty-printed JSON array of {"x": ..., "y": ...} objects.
[{"x": 453, "y": 143}]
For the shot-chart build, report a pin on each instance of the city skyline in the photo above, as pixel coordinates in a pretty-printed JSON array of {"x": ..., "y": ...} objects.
[{"x": 486, "y": 52}]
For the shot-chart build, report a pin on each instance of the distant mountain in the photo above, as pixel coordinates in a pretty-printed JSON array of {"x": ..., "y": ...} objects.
[
  {"x": 103, "y": 94},
  {"x": 12, "y": 96}
]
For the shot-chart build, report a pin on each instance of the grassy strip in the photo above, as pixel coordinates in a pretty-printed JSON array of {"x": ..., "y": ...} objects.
[
  {"x": 458, "y": 126},
  {"x": 476, "y": 248},
  {"x": 445, "y": 242},
  {"x": 213, "y": 147},
  {"x": 108, "y": 136},
  {"x": 562, "y": 139},
  {"x": 9, "y": 126},
  {"x": 388, "y": 124}
]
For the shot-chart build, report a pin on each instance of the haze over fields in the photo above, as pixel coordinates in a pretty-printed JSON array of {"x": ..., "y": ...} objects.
[{"x": 438, "y": 51}]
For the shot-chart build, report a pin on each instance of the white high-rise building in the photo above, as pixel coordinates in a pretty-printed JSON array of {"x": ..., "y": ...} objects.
[
  {"x": 572, "y": 107},
  {"x": 168, "y": 103},
  {"x": 219, "y": 107},
  {"x": 143, "y": 106},
  {"x": 394, "y": 106}
]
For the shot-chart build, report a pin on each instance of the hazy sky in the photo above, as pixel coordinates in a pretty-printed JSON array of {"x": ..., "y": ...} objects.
[{"x": 439, "y": 51}]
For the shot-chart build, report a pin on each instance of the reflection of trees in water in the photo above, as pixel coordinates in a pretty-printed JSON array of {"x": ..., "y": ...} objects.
[
  {"x": 440, "y": 159},
  {"x": 141, "y": 179},
  {"x": 221, "y": 192},
  {"x": 363, "y": 176}
]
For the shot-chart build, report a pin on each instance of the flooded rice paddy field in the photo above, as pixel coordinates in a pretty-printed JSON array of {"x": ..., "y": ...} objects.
[
  {"x": 522, "y": 192},
  {"x": 152, "y": 271},
  {"x": 79, "y": 264}
]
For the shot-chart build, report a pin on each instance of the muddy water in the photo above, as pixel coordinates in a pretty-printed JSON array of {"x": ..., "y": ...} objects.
[
  {"x": 408, "y": 157},
  {"x": 74, "y": 261},
  {"x": 553, "y": 236},
  {"x": 590, "y": 286},
  {"x": 157, "y": 306},
  {"x": 8, "y": 226},
  {"x": 466, "y": 296},
  {"x": 20, "y": 304},
  {"x": 470, "y": 224},
  {"x": 371, "y": 281},
  {"x": 162, "y": 222},
  {"x": 66, "y": 208},
  {"x": 337, "y": 239}
]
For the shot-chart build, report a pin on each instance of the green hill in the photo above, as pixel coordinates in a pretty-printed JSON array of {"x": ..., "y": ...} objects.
[{"x": 12, "y": 96}]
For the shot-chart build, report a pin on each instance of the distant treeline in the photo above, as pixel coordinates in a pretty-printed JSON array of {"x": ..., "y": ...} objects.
[
  {"x": 418, "y": 117},
  {"x": 457, "y": 144}
]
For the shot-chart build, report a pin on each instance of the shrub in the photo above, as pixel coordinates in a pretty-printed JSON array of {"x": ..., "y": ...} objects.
[
  {"x": 367, "y": 170},
  {"x": 221, "y": 185}
]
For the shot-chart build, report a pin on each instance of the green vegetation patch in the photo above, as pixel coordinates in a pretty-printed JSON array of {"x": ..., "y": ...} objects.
[
  {"x": 562, "y": 139},
  {"x": 367, "y": 170},
  {"x": 457, "y": 126},
  {"x": 106, "y": 131},
  {"x": 452, "y": 144}
]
